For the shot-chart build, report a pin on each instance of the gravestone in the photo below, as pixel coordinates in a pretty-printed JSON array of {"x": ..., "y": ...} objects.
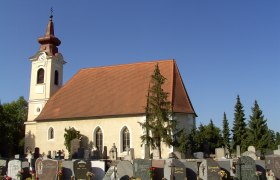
[
  {"x": 174, "y": 169},
  {"x": 3, "y": 167},
  {"x": 225, "y": 165},
  {"x": 67, "y": 169},
  {"x": 251, "y": 148},
  {"x": 156, "y": 154},
  {"x": 46, "y": 169},
  {"x": 159, "y": 165},
  {"x": 25, "y": 168},
  {"x": 246, "y": 168},
  {"x": 260, "y": 167},
  {"x": 220, "y": 153},
  {"x": 238, "y": 151},
  {"x": 191, "y": 169},
  {"x": 14, "y": 166},
  {"x": 198, "y": 155},
  {"x": 141, "y": 168},
  {"x": 81, "y": 168},
  {"x": 81, "y": 153},
  {"x": 250, "y": 154},
  {"x": 36, "y": 153},
  {"x": 87, "y": 154},
  {"x": 272, "y": 163},
  {"x": 98, "y": 168},
  {"x": 130, "y": 154},
  {"x": 113, "y": 152},
  {"x": 74, "y": 147},
  {"x": 124, "y": 170},
  {"x": 213, "y": 169}
]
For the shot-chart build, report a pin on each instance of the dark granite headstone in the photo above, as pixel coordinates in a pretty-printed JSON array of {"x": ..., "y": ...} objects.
[
  {"x": 36, "y": 153},
  {"x": 67, "y": 169},
  {"x": 81, "y": 168},
  {"x": 246, "y": 168},
  {"x": 225, "y": 166},
  {"x": 179, "y": 170},
  {"x": 74, "y": 147},
  {"x": 81, "y": 153},
  {"x": 159, "y": 165},
  {"x": 46, "y": 169},
  {"x": 272, "y": 163},
  {"x": 191, "y": 169},
  {"x": 141, "y": 168},
  {"x": 125, "y": 170},
  {"x": 213, "y": 169},
  {"x": 25, "y": 167},
  {"x": 260, "y": 166}
]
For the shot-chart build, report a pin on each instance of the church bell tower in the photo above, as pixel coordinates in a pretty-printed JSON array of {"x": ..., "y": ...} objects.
[
  {"x": 46, "y": 79},
  {"x": 46, "y": 72}
]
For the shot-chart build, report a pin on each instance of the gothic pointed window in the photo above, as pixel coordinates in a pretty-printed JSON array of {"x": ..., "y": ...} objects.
[
  {"x": 99, "y": 139},
  {"x": 125, "y": 139},
  {"x": 56, "y": 77},
  {"x": 40, "y": 76},
  {"x": 50, "y": 133}
]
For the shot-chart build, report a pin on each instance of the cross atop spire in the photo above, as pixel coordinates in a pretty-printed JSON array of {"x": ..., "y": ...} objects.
[{"x": 49, "y": 42}]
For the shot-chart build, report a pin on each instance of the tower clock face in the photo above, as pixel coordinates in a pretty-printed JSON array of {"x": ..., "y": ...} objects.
[{"x": 41, "y": 57}]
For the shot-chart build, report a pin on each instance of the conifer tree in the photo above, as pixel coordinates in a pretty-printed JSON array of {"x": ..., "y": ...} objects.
[
  {"x": 258, "y": 133},
  {"x": 158, "y": 126},
  {"x": 226, "y": 133},
  {"x": 239, "y": 126},
  {"x": 183, "y": 142},
  {"x": 277, "y": 140}
]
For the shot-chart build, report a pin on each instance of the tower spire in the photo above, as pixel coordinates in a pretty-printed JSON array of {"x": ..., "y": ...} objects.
[{"x": 49, "y": 42}]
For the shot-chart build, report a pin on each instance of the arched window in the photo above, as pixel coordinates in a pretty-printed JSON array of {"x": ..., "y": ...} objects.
[
  {"x": 56, "y": 77},
  {"x": 40, "y": 76},
  {"x": 50, "y": 133},
  {"x": 99, "y": 139},
  {"x": 125, "y": 139}
]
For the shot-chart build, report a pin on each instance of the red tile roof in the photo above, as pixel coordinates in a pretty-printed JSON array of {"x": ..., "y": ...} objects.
[{"x": 115, "y": 90}]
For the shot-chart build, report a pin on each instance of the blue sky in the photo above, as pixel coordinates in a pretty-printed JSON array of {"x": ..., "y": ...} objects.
[{"x": 222, "y": 47}]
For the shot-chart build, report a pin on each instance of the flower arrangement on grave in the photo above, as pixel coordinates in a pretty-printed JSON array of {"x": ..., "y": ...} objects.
[
  {"x": 89, "y": 175},
  {"x": 152, "y": 172},
  {"x": 222, "y": 174},
  {"x": 7, "y": 177}
]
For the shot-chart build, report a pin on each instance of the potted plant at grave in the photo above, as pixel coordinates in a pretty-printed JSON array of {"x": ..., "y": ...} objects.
[
  {"x": 59, "y": 172},
  {"x": 223, "y": 174},
  {"x": 152, "y": 172}
]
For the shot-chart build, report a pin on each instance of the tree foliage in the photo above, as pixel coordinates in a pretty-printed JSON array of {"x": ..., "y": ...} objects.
[
  {"x": 258, "y": 133},
  {"x": 12, "y": 116},
  {"x": 226, "y": 132},
  {"x": 183, "y": 142},
  {"x": 239, "y": 126},
  {"x": 70, "y": 134},
  {"x": 158, "y": 126}
]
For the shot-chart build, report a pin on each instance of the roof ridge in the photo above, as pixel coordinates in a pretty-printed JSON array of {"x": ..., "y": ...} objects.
[{"x": 128, "y": 64}]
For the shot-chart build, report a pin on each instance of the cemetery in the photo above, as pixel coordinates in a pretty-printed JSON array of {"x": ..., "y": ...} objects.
[{"x": 87, "y": 164}]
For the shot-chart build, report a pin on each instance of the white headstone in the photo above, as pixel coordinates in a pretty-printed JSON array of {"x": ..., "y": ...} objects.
[
  {"x": 14, "y": 166},
  {"x": 252, "y": 148},
  {"x": 220, "y": 153}
]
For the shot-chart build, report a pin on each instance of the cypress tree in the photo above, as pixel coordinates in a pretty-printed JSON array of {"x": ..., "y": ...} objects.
[
  {"x": 239, "y": 126},
  {"x": 258, "y": 133},
  {"x": 226, "y": 133},
  {"x": 158, "y": 126}
]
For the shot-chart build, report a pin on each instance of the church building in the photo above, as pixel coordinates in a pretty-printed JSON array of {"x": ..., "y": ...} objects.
[{"x": 105, "y": 103}]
